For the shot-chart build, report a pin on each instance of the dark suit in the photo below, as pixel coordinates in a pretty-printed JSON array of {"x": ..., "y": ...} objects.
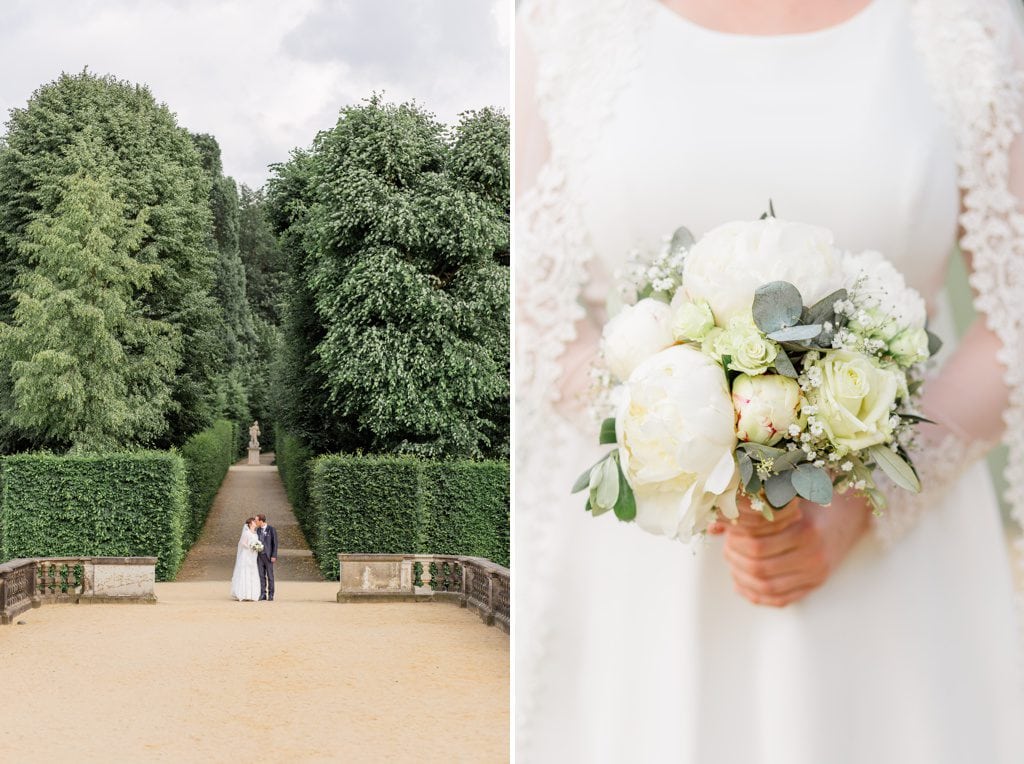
[{"x": 267, "y": 537}]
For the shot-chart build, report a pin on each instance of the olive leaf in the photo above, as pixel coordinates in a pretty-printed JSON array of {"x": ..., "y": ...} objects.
[
  {"x": 583, "y": 481},
  {"x": 779, "y": 490},
  {"x": 777, "y": 305},
  {"x": 901, "y": 473},
  {"x": 608, "y": 432},
  {"x": 812, "y": 483},
  {"x": 625, "y": 504}
]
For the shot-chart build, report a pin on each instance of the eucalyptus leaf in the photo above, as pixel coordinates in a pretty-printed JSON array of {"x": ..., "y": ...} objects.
[
  {"x": 796, "y": 333},
  {"x": 779, "y": 490},
  {"x": 789, "y": 460},
  {"x": 825, "y": 308},
  {"x": 760, "y": 450},
  {"x": 777, "y": 305},
  {"x": 812, "y": 483},
  {"x": 625, "y": 505},
  {"x": 901, "y": 473},
  {"x": 745, "y": 464},
  {"x": 785, "y": 366},
  {"x": 608, "y": 432},
  {"x": 934, "y": 343},
  {"x": 753, "y": 486},
  {"x": 682, "y": 240}
]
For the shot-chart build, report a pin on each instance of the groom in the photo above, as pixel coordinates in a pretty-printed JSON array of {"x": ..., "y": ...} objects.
[{"x": 265, "y": 560}]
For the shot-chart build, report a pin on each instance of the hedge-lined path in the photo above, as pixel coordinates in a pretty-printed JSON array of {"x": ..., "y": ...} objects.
[
  {"x": 248, "y": 491},
  {"x": 198, "y": 677}
]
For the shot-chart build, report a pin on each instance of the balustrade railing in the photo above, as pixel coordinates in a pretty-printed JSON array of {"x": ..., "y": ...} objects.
[
  {"x": 28, "y": 583},
  {"x": 473, "y": 582}
]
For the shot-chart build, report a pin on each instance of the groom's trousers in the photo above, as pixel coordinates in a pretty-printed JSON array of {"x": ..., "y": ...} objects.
[{"x": 266, "y": 577}]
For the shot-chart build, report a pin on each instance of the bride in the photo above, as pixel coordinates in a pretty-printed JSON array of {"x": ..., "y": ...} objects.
[
  {"x": 245, "y": 581},
  {"x": 832, "y": 636}
]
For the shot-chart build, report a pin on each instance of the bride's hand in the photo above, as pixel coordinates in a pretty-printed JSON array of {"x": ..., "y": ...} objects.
[{"x": 779, "y": 562}]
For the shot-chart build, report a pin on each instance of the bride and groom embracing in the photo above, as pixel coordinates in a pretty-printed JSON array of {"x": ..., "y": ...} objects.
[{"x": 253, "y": 578}]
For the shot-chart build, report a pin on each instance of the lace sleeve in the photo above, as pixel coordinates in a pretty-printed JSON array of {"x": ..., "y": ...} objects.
[{"x": 973, "y": 53}]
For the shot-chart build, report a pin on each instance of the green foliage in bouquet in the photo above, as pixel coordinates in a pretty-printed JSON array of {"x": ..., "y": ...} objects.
[
  {"x": 396, "y": 232},
  {"x": 207, "y": 455},
  {"x": 119, "y": 505}
]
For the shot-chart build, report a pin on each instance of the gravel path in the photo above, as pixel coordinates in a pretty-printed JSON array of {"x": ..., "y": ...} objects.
[
  {"x": 199, "y": 677},
  {"x": 248, "y": 491}
]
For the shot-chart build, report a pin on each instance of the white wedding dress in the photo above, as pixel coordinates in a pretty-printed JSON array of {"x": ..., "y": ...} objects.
[
  {"x": 245, "y": 580},
  {"x": 633, "y": 648}
]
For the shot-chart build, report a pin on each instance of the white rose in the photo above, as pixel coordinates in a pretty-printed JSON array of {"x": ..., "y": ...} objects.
[
  {"x": 766, "y": 406},
  {"x": 878, "y": 288},
  {"x": 676, "y": 439},
  {"x": 854, "y": 401},
  {"x": 690, "y": 320},
  {"x": 730, "y": 262},
  {"x": 750, "y": 351},
  {"x": 910, "y": 346},
  {"x": 635, "y": 334}
]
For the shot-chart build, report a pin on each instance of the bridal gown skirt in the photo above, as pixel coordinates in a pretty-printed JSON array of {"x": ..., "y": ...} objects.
[
  {"x": 908, "y": 654},
  {"x": 245, "y": 581}
]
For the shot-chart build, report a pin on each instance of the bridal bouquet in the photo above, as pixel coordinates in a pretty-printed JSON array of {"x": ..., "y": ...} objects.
[
  {"x": 759, "y": 360},
  {"x": 257, "y": 547}
]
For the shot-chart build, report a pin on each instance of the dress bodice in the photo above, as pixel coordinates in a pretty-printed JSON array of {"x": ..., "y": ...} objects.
[{"x": 837, "y": 127}]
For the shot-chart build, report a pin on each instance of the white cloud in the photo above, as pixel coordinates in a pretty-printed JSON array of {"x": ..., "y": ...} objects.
[{"x": 264, "y": 76}]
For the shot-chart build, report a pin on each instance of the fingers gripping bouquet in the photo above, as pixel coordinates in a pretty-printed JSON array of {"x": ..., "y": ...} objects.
[{"x": 758, "y": 360}]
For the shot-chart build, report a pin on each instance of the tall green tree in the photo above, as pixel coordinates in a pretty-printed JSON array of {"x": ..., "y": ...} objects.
[
  {"x": 90, "y": 370},
  {"x": 265, "y": 274},
  {"x": 398, "y": 298},
  {"x": 151, "y": 164}
]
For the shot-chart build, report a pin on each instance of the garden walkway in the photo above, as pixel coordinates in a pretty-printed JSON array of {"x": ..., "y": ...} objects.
[
  {"x": 199, "y": 677},
  {"x": 246, "y": 492}
]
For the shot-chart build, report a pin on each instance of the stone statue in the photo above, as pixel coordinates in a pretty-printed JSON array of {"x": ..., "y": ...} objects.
[{"x": 254, "y": 434}]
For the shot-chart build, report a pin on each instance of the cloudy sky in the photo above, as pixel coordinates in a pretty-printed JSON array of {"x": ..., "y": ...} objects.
[{"x": 264, "y": 76}]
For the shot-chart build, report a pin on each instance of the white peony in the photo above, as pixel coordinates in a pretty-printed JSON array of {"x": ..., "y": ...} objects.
[
  {"x": 766, "y": 406},
  {"x": 879, "y": 289},
  {"x": 635, "y": 334},
  {"x": 731, "y": 261},
  {"x": 675, "y": 429}
]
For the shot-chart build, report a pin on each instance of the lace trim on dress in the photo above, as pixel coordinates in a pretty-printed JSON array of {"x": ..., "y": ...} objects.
[
  {"x": 585, "y": 52},
  {"x": 966, "y": 48}
]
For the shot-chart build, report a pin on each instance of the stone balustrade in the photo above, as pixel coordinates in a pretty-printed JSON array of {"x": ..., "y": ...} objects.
[
  {"x": 28, "y": 583},
  {"x": 472, "y": 582}
]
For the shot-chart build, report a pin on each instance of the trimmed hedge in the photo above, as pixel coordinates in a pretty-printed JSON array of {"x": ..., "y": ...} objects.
[
  {"x": 293, "y": 460},
  {"x": 465, "y": 509},
  {"x": 396, "y": 505},
  {"x": 118, "y": 505},
  {"x": 207, "y": 455}
]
